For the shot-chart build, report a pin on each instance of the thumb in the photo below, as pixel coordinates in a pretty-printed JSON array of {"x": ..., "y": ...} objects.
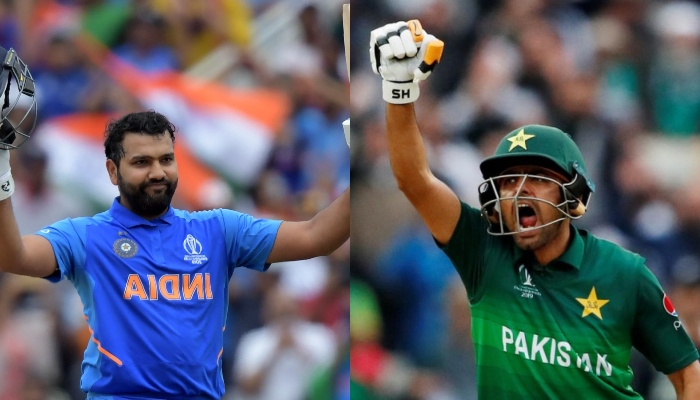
[{"x": 431, "y": 57}]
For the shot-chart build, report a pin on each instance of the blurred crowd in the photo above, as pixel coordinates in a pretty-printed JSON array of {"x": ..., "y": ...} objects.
[
  {"x": 287, "y": 329},
  {"x": 620, "y": 76}
]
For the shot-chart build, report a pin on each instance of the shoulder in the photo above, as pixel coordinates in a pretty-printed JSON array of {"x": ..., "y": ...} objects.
[
  {"x": 79, "y": 224},
  {"x": 221, "y": 215},
  {"x": 197, "y": 215},
  {"x": 598, "y": 249}
]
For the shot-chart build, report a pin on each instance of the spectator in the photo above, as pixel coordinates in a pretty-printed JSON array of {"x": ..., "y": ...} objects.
[{"x": 278, "y": 360}]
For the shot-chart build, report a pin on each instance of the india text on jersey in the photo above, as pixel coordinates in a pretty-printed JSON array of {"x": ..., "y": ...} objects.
[{"x": 169, "y": 287}]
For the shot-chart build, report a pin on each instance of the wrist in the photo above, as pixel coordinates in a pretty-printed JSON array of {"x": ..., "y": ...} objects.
[
  {"x": 400, "y": 92},
  {"x": 7, "y": 185}
]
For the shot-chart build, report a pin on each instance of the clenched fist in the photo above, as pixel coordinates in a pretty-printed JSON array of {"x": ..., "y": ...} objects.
[{"x": 403, "y": 54}]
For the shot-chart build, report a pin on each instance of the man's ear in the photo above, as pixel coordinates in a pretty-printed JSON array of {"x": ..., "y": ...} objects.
[{"x": 112, "y": 170}]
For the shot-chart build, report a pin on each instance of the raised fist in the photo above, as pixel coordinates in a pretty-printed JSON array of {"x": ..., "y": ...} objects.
[{"x": 403, "y": 54}]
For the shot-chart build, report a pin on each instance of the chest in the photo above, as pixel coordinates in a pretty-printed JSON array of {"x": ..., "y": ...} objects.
[
  {"x": 156, "y": 262},
  {"x": 580, "y": 306}
]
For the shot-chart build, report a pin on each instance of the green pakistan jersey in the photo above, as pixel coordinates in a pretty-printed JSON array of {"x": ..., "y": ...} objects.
[{"x": 564, "y": 330}]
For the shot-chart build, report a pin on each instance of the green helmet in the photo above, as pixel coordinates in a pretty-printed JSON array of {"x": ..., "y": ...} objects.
[
  {"x": 542, "y": 146},
  {"x": 537, "y": 145}
]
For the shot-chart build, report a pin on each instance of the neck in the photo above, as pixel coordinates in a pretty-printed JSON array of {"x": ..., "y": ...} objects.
[{"x": 555, "y": 247}]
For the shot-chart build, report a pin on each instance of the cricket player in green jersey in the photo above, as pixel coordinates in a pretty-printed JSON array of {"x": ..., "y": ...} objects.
[{"x": 555, "y": 310}]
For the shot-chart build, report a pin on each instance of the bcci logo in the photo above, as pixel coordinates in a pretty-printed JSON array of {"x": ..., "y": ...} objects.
[
  {"x": 125, "y": 247},
  {"x": 193, "y": 247}
]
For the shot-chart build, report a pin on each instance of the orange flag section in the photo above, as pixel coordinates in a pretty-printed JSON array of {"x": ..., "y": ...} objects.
[
  {"x": 270, "y": 108},
  {"x": 266, "y": 107},
  {"x": 192, "y": 174}
]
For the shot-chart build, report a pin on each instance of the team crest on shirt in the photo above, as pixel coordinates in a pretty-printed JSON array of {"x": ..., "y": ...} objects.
[
  {"x": 125, "y": 247},
  {"x": 194, "y": 249},
  {"x": 592, "y": 304}
]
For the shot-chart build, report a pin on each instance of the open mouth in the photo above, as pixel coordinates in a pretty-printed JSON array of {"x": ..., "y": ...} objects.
[{"x": 527, "y": 216}]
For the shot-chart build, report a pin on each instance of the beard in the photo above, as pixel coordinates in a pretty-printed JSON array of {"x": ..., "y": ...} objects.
[
  {"x": 143, "y": 204},
  {"x": 544, "y": 236}
]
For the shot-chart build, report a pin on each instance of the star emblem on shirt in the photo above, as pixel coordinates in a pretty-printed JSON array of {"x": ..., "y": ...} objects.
[
  {"x": 592, "y": 304},
  {"x": 519, "y": 140}
]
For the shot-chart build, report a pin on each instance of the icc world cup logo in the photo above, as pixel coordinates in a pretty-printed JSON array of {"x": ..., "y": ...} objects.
[
  {"x": 192, "y": 245},
  {"x": 194, "y": 250}
]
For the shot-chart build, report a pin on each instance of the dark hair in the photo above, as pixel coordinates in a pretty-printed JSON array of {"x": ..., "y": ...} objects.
[{"x": 143, "y": 123}]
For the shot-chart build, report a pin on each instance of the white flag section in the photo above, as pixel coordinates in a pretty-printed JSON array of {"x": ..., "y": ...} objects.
[
  {"x": 76, "y": 161},
  {"x": 230, "y": 130},
  {"x": 75, "y": 147}
]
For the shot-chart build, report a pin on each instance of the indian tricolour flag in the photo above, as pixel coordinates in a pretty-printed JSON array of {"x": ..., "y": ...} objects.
[
  {"x": 77, "y": 163},
  {"x": 222, "y": 129},
  {"x": 230, "y": 130}
]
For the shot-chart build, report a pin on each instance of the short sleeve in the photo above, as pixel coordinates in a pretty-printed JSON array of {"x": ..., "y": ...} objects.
[
  {"x": 68, "y": 248},
  {"x": 249, "y": 240},
  {"x": 466, "y": 250},
  {"x": 657, "y": 332}
]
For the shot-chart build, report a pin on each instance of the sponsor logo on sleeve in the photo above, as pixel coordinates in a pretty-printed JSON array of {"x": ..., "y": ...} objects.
[{"x": 668, "y": 306}]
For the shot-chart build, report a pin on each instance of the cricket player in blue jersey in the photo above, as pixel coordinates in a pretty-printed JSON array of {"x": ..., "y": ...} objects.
[{"x": 153, "y": 279}]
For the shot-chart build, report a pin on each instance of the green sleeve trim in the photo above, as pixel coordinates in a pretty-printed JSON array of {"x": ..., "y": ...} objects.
[{"x": 679, "y": 365}]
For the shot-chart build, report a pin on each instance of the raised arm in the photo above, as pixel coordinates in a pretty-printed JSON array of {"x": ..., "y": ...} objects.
[
  {"x": 29, "y": 255},
  {"x": 436, "y": 203},
  {"x": 319, "y": 236},
  {"x": 406, "y": 57}
]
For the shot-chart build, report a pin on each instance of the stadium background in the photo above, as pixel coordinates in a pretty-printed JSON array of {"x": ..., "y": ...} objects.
[
  {"x": 621, "y": 76},
  {"x": 258, "y": 90}
]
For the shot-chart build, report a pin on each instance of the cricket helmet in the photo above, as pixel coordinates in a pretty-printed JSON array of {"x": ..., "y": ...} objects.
[
  {"x": 542, "y": 146},
  {"x": 19, "y": 108}
]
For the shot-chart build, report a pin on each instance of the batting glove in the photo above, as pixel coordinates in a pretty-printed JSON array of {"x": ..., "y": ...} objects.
[
  {"x": 403, "y": 54},
  {"x": 7, "y": 185}
]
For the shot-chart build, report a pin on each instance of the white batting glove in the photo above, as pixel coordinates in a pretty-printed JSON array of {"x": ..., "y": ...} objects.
[
  {"x": 403, "y": 54},
  {"x": 346, "y": 130},
  {"x": 7, "y": 185}
]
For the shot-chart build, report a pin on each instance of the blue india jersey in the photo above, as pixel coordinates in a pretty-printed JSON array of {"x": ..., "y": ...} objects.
[{"x": 155, "y": 295}]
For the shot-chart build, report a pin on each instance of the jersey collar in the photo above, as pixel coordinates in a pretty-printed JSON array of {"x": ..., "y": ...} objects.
[
  {"x": 572, "y": 256},
  {"x": 130, "y": 220}
]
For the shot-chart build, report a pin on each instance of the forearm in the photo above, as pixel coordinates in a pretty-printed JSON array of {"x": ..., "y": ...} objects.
[
  {"x": 691, "y": 391},
  {"x": 409, "y": 160},
  {"x": 331, "y": 226},
  {"x": 686, "y": 382},
  {"x": 10, "y": 239}
]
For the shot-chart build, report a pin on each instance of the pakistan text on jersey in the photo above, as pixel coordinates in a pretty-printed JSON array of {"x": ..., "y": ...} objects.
[
  {"x": 550, "y": 351},
  {"x": 169, "y": 287}
]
